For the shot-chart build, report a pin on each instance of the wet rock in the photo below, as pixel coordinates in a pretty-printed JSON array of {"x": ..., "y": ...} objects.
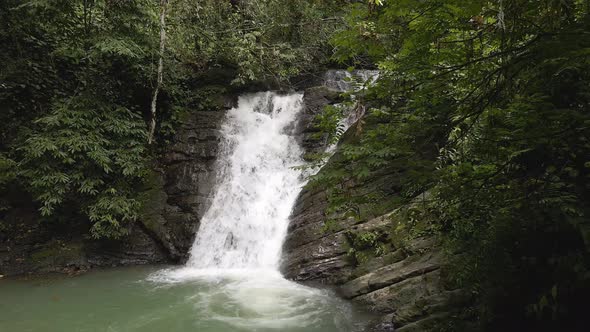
[
  {"x": 409, "y": 291},
  {"x": 314, "y": 99},
  {"x": 410, "y": 267},
  {"x": 384, "y": 324},
  {"x": 404, "y": 286},
  {"x": 323, "y": 261},
  {"x": 139, "y": 249},
  {"x": 181, "y": 189}
]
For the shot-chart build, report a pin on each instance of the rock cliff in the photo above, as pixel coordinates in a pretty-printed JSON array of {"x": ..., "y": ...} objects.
[
  {"x": 403, "y": 283},
  {"x": 182, "y": 185}
]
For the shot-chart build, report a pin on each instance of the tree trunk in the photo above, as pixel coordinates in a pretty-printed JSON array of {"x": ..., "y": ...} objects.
[{"x": 152, "y": 127}]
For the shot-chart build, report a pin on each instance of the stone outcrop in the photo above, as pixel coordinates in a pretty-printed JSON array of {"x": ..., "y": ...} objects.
[
  {"x": 182, "y": 187},
  {"x": 404, "y": 285},
  {"x": 314, "y": 101}
]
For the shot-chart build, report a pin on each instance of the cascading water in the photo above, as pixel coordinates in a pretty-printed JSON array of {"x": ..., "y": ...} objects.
[
  {"x": 248, "y": 218},
  {"x": 237, "y": 249},
  {"x": 232, "y": 280}
]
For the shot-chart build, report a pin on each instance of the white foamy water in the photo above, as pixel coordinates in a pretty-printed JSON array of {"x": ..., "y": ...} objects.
[
  {"x": 237, "y": 249},
  {"x": 248, "y": 218}
]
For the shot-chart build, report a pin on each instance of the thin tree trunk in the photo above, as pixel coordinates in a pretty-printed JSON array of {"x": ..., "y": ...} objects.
[{"x": 163, "y": 8}]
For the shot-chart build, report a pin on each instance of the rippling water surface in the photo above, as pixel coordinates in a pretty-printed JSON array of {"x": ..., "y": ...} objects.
[{"x": 149, "y": 299}]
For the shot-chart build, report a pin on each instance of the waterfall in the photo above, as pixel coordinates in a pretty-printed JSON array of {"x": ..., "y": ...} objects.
[
  {"x": 257, "y": 187},
  {"x": 234, "y": 261},
  {"x": 247, "y": 221}
]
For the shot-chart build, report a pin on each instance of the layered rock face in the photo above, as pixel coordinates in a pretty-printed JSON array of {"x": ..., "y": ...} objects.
[
  {"x": 182, "y": 187},
  {"x": 404, "y": 285}
]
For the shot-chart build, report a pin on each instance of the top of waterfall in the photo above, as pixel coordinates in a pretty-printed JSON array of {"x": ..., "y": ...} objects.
[{"x": 344, "y": 80}]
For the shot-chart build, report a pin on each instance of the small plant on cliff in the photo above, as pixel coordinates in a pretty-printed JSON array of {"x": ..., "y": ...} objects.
[{"x": 365, "y": 245}]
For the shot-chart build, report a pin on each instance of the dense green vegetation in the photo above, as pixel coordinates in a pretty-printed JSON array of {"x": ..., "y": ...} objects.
[
  {"x": 485, "y": 106},
  {"x": 482, "y": 105},
  {"x": 78, "y": 78}
]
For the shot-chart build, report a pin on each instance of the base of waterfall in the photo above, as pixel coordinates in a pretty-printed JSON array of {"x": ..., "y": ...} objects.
[
  {"x": 150, "y": 299},
  {"x": 260, "y": 299}
]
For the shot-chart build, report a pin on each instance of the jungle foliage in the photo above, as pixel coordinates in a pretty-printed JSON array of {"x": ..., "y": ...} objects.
[
  {"x": 77, "y": 78},
  {"x": 484, "y": 105}
]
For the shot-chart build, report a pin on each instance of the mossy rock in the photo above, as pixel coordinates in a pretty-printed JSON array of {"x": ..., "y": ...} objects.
[
  {"x": 153, "y": 200},
  {"x": 58, "y": 254}
]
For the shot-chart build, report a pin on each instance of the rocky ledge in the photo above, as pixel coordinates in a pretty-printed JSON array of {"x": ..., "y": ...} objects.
[{"x": 405, "y": 286}]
